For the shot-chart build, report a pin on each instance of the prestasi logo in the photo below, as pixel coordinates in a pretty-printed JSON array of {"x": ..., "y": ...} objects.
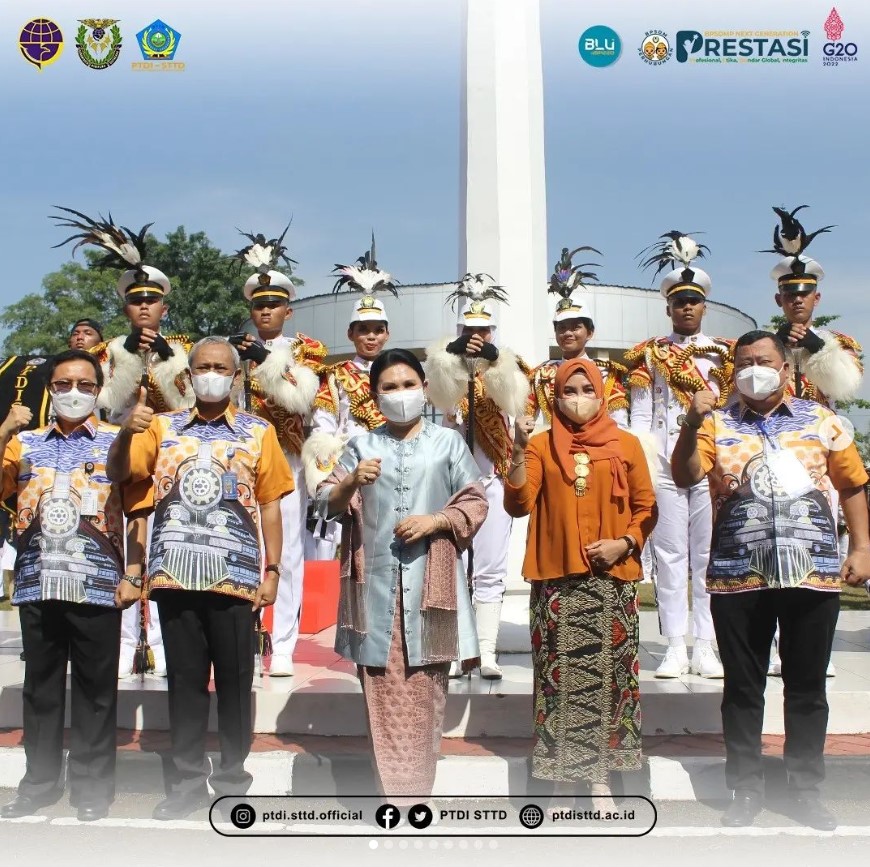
[
  {"x": 835, "y": 51},
  {"x": 743, "y": 46},
  {"x": 655, "y": 48},
  {"x": 158, "y": 41},
  {"x": 40, "y": 42},
  {"x": 98, "y": 41},
  {"x": 600, "y": 46}
]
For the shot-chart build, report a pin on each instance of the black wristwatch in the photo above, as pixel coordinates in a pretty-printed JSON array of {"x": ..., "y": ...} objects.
[
  {"x": 274, "y": 567},
  {"x": 631, "y": 543},
  {"x": 135, "y": 580}
]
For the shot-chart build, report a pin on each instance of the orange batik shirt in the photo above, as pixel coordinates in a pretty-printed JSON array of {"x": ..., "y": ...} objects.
[{"x": 208, "y": 479}]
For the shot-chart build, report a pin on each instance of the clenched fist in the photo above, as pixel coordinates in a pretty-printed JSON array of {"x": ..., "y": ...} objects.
[
  {"x": 139, "y": 417},
  {"x": 19, "y": 417},
  {"x": 367, "y": 472},
  {"x": 523, "y": 428},
  {"x": 702, "y": 403}
]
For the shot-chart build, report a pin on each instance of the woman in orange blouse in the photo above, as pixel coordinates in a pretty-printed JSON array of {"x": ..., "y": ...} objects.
[{"x": 586, "y": 484}]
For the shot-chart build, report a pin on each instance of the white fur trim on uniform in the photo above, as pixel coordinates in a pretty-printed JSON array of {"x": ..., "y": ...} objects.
[
  {"x": 833, "y": 370},
  {"x": 320, "y": 454},
  {"x": 447, "y": 375},
  {"x": 297, "y": 398},
  {"x": 164, "y": 374},
  {"x": 506, "y": 384},
  {"x": 650, "y": 446},
  {"x": 122, "y": 375}
]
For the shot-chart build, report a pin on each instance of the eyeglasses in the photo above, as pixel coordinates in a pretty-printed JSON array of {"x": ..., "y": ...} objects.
[{"x": 62, "y": 386}]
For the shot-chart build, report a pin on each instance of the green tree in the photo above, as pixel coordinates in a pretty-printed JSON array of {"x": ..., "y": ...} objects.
[{"x": 206, "y": 296}]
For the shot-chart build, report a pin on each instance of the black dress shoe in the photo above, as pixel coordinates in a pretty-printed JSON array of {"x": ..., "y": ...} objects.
[
  {"x": 93, "y": 812},
  {"x": 743, "y": 809},
  {"x": 22, "y": 805},
  {"x": 810, "y": 811},
  {"x": 180, "y": 806}
]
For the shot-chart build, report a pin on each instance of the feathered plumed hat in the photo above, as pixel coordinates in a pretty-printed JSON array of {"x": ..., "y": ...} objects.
[
  {"x": 123, "y": 248},
  {"x": 794, "y": 272},
  {"x": 477, "y": 292},
  {"x": 264, "y": 256},
  {"x": 566, "y": 278},
  {"x": 364, "y": 276},
  {"x": 680, "y": 250}
]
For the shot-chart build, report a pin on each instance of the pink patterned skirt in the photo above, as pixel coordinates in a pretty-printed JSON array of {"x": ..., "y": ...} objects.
[{"x": 405, "y": 711}]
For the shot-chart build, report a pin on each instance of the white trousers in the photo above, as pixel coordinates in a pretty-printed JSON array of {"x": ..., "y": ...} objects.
[
  {"x": 491, "y": 546},
  {"x": 323, "y": 542},
  {"x": 288, "y": 605},
  {"x": 130, "y": 625},
  {"x": 682, "y": 539},
  {"x": 130, "y": 616}
]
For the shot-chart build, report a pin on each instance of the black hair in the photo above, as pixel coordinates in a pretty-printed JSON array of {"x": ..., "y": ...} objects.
[
  {"x": 752, "y": 337},
  {"x": 72, "y": 355},
  {"x": 390, "y": 358},
  {"x": 91, "y": 323}
]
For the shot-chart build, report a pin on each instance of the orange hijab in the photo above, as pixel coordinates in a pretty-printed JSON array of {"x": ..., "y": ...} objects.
[{"x": 598, "y": 437}]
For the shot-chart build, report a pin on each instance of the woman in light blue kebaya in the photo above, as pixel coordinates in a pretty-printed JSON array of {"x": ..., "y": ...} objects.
[{"x": 410, "y": 499}]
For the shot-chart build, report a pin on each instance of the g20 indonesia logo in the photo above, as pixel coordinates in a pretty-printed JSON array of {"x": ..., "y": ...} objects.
[
  {"x": 600, "y": 45},
  {"x": 836, "y": 51},
  {"x": 158, "y": 41},
  {"x": 655, "y": 48}
]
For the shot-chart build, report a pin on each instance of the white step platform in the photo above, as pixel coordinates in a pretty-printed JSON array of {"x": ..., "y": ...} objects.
[{"x": 323, "y": 697}]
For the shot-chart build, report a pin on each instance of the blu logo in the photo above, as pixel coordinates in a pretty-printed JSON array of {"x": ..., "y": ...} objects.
[{"x": 600, "y": 46}]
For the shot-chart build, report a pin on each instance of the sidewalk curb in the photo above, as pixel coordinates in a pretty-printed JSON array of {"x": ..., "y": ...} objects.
[{"x": 285, "y": 772}]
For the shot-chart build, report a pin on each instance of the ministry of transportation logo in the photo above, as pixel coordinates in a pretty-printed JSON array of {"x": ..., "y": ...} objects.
[
  {"x": 158, "y": 41},
  {"x": 98, "y": 41},
  {"x": 40, "y": 42},
  {"x": 655, "y": 48}
]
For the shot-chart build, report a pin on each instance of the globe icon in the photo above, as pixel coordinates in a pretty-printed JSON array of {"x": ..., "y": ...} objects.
[
  {"x": 531, "y": 816},
  {"x": 41, "y": 42}
]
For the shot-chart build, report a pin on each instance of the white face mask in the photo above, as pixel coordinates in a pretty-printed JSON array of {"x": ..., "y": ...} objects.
[
  {"x": 404, "y": 406},
  {"x": 211, "y": 387},
  {"x": 580, "y": 408},
  {"x": 758, "y": 382},
  {"x": 73, "y": 405}
]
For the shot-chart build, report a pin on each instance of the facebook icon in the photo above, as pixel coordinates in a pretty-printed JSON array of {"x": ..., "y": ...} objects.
[{"x": 388, "y": 816}]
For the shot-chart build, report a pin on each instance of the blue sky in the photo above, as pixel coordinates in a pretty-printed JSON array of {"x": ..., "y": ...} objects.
[{"x": 346, "y": 115}]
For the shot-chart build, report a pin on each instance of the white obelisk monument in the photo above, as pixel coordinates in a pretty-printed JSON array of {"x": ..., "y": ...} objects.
[{"x": 503, "y": 219}]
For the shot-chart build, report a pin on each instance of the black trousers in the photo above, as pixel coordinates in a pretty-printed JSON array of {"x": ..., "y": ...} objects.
[
  {"x": 745, "y": 623},
  {"x": 201, "y": 629},
  {"x": 89, "y": 636}
]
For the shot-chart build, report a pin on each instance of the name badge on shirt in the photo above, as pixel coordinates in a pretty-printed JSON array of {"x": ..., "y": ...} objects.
[
  {"x": 88, "y": 507},
  {"x": 230, "y": 486},
  {"x": 89, "y": 504},
  {"x": 230, "y": 480},
  {"x": 790, "y": 473}
]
